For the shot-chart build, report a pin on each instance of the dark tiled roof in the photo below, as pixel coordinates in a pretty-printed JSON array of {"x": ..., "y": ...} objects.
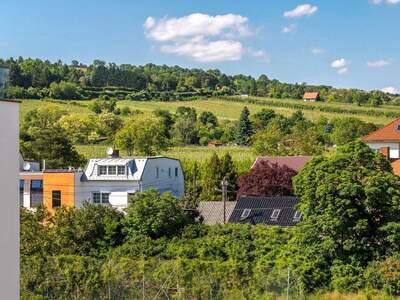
[
  {"x": 294, "y": 162},
  {"x": 262, "y": 209},
  {"x": 213, "y": 211}
]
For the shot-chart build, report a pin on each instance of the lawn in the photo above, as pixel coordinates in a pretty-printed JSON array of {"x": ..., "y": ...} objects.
[{"x": 228, "y": 110}]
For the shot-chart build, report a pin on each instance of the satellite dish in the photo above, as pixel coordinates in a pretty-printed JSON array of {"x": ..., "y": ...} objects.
[
  {"x": 27, "y": 166},
  {"x": 110, "y": 151}
]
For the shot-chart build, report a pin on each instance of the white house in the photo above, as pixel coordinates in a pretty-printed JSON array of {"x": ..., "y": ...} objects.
[
  {"x": 112, "y": 180},
  {"x": 9, "y": 213}
]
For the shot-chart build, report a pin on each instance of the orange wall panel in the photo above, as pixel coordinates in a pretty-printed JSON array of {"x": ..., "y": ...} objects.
[{"x": 64, "y": 182}]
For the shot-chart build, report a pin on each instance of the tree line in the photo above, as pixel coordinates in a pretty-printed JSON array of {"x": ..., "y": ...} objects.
[{"x": 37, "y": 79}]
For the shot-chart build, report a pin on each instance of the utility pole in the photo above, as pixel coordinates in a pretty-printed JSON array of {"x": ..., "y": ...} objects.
[{"x": 224, "y": 184}]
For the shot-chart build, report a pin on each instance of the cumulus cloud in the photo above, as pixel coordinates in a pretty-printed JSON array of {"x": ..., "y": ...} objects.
[
  {"x": 317, "y": 51},
  {"x": 289, "y": 28},
  {"x": 201, "y": 37},
  {"x": 390, "y": 2},
  {"x": 260, "y": 55},
  {"x": 301, "y": 11},
  {"x": 391, "y": 90},
  {"x": 379, "y": 63},
  {"x": 341, "y": 65}
]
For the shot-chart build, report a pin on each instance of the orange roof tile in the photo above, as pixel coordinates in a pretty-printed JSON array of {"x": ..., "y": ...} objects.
[
  {"x": 310, "y": 95},
  {"x": 389, "y": 133}
]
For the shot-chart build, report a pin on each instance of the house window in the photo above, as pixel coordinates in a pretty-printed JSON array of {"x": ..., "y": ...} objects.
[
  {"x": 121, "y": 170},
  {"x": 112, "y": 170},
  {"x": 102, "y": 170},
  {"x": 56, "y": 199},
  {"x": 275, "y": 214},
  {"x": 157, "y": 172},
  {"x": 21, "y": 185},
  {"x": 101, "y": 198},
  {"x": 37, "y": 185},
  {"x": 297, "y": 216},
  {"x": 176, "y": 172},
  {"x": 245, "y": 214},
  {"x": 169, "y": 172}
]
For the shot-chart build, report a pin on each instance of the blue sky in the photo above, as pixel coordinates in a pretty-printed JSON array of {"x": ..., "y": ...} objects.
[{"x": 344, "y": 43}]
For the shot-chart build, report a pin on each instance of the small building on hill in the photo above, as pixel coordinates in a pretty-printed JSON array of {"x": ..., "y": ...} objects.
[
  {"x": 296, "y": 163},
  {"x": 277, "y": 211},
  {"x": 215, "y": 144},
  {"x": 311, "y": 97}
]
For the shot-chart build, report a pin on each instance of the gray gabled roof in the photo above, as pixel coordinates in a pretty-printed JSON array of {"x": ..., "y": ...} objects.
[
  {"x": 213, "y": 211},
  {"x": 261, "y": 209}
]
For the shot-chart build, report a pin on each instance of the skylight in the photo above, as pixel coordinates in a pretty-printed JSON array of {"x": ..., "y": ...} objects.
[
  {"x": 275, "y": 214},
  {"x": 297, "y": 216},
  {"x": 245, "y": 214}
]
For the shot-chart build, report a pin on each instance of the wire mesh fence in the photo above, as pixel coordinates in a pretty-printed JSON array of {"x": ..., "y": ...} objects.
[{"x": 71, "y": 277}]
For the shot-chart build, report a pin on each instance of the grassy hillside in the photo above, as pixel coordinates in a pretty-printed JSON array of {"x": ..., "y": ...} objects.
[{"x": 230, "y": 108}]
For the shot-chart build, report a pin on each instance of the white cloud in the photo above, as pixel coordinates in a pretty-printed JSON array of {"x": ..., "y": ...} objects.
[
  {"x": 289, "y": 28},
  {"x": 202, "y": 51},
  {"x": 260, "y": 55},
  {"x": 301, "y": 11},
  {"x": 197, "y": 24},
  {"x": 379, "y": 63},
  {"x": 202, "y": 37},
  {"x": 390, "y": 2},
  {"x": 391, "y": 90},
  {"x": 341, "y": 65},
  {"x": 317, "y": 51}
]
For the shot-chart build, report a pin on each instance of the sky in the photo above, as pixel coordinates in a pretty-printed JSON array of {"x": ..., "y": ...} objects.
[{"x": 343, "y": 43}]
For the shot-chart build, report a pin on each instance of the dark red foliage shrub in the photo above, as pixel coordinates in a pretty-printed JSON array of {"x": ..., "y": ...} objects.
[{"x": 267, "y": 179}]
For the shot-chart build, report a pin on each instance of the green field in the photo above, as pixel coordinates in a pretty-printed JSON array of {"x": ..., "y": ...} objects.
[{"x": 229, "y": 110}]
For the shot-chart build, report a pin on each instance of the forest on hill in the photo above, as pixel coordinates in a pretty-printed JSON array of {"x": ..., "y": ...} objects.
[{"x": 38, "y": 79}]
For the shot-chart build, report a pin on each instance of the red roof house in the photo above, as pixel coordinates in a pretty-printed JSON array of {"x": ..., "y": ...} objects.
[{"x": 311, "y": 97}]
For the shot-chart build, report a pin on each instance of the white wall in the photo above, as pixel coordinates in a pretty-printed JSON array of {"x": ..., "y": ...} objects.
[
  {"x": 394, "y": 148},
  {"x": 164, "y": 182},
  {"x": 9, "y": 212}
]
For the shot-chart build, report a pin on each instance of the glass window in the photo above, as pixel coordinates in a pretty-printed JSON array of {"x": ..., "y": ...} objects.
[
  {"x": 275, "y": 214},
  {"x": 105, "y": 198},
  {"x": 96, "y": 197},
  {"x": 56, "y": 198},
  {"x": 157, "y": 172},
  {"x": 176, "y": 172},
  {"x": 102, "y": 170},
  {"x": 297, "y": 216},
  {"x": 112, "y": 170},
  {"x": 37, "y": 185},
  {"x": 121, "y": 170},
  {"x": 21, "y": 185},
  {"x": 169, "y": 172},
  {"x": 245, "y": 214}
]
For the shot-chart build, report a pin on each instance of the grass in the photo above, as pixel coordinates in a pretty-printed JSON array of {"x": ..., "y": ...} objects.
[{"x": 227, "y": 110}]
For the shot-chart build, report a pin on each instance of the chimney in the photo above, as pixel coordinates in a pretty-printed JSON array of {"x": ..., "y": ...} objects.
[
  {"x": 385, "y": 151},
  {"x": 115, "y": 154}
]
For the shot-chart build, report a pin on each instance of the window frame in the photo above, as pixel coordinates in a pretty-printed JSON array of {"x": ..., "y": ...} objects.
[
  {"x": 114, "y": 172},
  {"x": 103, "y": 168},
  {"x": 245, "y": 214},
  {"x": 36, "y": 189},
  {"x": 275, "y": 214},
  {"x": 176, "y": 172},
  {"x": 121, "y": 168},
  {"x": 157, "y": 172},
  {"x": 53, "y": 192},
  {"x": 297, "y": 216},
  {"x": 169, "y": 172},
  {"x": 100, "y": 195}
]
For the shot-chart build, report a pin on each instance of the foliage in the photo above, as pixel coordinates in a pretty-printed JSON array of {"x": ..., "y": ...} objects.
[
  {"x": 244, "y": 129},
  {"x": 142, "y": 135},
  {"x": 155, "y": 215},
  {"x": 348, "y": 198},
  {"x": 266, "y": 179}
]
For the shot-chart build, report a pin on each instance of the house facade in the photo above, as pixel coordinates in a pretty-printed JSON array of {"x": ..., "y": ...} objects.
[{"x": 110, "y": 181}]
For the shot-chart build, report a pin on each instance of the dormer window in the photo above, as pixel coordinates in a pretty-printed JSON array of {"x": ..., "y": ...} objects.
[
  {"x": 112, "y": 170},
  {"x": 245, "y": 214},
  {"x": 297, "y": 216},
  {"x": 102, "y": 170},
  {"x": 121, "y": 170},
  {"x": 398, "y": 128}
]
